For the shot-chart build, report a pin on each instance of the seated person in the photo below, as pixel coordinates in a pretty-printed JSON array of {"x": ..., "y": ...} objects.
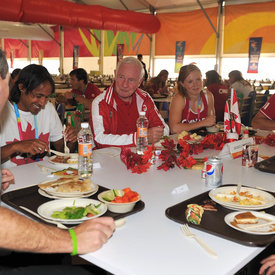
[
  {"x": 82, "y": 92},
  {"x": 191, "y": 108},
  {"x": 219, "y": 90},
  {"x": 28, "y": 124},
  {"x": 265, "y": 118},
  {"x": 157, "y": 85},
  {"x": 239, "y": 84},
  {"x": 114, "y": 112},
  {"x": 13, "y": 77}
]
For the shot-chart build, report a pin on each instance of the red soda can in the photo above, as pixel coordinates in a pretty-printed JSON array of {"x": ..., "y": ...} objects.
[{"x": 214, "y": 172}]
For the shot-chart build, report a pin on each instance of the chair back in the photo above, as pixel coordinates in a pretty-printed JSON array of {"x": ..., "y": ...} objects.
[
  {"x": 246, "y": 110},
  {"x": 61, "y": 111},
  {"x": 259, "y": 102}
]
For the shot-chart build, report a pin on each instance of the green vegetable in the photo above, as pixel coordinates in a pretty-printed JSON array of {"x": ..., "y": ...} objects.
[
  {"x": 109, "y": 196},
  {"x": 72, "y": 213},
  {"x": 118, "y": 193}
]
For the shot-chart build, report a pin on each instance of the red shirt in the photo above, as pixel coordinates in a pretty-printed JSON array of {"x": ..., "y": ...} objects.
[
  {"x": 268, "y": 109},
  {"x": 90, "y": 92},
  {"x": 193, "y": 117},
  {"x": 220, "y": 94},
  {"x": 127, "y": 115}
]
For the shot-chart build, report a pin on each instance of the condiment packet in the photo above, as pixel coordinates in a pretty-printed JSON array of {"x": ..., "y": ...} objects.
[
  {"x": 180, "y": 189},
  {"x": 96, "y": 165}
]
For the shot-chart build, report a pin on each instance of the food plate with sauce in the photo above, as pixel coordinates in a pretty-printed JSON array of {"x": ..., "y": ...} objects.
[
  {"x": 248, "y": 198},
  {"x": 262, "y": 218},
  {"x": 61, "y": 161}
]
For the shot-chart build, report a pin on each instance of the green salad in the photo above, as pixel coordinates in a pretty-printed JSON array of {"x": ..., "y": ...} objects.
[{"x": 74, "y": 212}]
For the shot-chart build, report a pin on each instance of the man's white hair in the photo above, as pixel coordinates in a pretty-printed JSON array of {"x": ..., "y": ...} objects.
[{"x": 134, "y": 61}]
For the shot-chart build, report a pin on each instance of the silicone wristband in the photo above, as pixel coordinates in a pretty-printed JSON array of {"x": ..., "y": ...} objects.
[{"x": 74, "y": 239}]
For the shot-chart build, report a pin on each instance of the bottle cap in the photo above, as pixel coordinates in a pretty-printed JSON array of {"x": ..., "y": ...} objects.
[
  {"x": 142, "y": 113},
  {"x": 84, "y": 125}
]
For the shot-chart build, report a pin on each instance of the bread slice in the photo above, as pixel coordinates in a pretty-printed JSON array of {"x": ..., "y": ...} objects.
[{"x": 246, "y": 218}]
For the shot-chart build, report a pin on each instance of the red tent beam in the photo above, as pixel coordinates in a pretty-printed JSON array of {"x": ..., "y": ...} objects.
[{"x": 64, "y": 13}]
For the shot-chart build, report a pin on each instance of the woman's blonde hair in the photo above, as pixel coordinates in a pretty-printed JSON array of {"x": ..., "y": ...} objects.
[{"x": 183, "y": 73}]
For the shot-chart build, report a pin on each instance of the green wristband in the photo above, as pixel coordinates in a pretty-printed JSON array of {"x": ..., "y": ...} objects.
[{"x": 74, "y": 239}]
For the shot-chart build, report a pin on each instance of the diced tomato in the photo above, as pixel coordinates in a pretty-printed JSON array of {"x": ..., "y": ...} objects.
[
  {"x": 90, "y": 215},
  {"x": 126, "y": 190},
  {"x": 119, "y": 200}
]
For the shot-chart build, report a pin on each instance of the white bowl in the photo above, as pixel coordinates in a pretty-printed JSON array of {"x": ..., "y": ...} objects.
[
  {"x": 213, "y": 129},
  {"x": 118, "y": 207}
]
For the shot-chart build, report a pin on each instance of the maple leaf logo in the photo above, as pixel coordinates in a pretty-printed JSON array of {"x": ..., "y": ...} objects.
[{"x": 29, "y": 134}]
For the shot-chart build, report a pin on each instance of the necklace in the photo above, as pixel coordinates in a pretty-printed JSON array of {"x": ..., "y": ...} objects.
[{"x": 199, "y": 109}]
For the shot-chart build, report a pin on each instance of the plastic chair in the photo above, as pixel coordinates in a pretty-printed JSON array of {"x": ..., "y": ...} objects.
[{"x": 246, "y": 110}]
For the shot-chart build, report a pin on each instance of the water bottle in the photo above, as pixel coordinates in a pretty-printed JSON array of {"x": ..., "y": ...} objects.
[
  {"x": 142, "y": 131},
  {"x": 85, "y": 157}
]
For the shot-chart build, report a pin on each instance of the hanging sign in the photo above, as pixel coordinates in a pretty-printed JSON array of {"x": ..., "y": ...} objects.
[
  {"x": 180, "y": 48},
  {"x": 12, "y": 57},
  {"x": 255, "y": 45},
  {"x": 75, "y": 57},
  {"x": 120, "y": 52},
  {"x": 40, "y": 57}
]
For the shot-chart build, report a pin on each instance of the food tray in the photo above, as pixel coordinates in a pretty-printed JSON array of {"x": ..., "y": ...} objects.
[
  {"x": 213, "y": 222},
  {"x": 267, "y": 165},
  {"x": 31, "y": 199}
]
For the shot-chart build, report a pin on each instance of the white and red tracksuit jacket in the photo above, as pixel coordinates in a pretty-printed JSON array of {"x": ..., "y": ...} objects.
[{"x": 104, "y": 119}]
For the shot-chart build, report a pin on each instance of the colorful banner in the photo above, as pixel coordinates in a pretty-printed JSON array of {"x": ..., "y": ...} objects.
[
  {"x": 180, "y": 48},
  {"x": 40, "y": 57},
  {"x": 12, "y": 57},
  {"x": 75, "y": 57},
  {"x": 255, "y": 45},
  {"x": 120, "y": 52}
]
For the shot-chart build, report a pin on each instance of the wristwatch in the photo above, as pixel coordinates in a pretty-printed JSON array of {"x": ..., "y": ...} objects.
[{"x": 74, "y": 96}]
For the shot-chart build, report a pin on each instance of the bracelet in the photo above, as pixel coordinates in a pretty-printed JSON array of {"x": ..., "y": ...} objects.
[{"x": 74, "y": 239}]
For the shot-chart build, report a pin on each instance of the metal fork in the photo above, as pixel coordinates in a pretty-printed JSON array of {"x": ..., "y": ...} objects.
[
  {"x": 188, "y": 233},
  {"x": 66, "y": 148}
]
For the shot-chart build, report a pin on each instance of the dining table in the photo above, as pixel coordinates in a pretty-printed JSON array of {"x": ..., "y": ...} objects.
[{"x": 150, "y": 242}]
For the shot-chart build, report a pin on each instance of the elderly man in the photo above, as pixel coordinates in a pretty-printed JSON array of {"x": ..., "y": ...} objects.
[
  {"x": 114, "y": 113},
  {"x": 82, "y": 92},
  {"x": 28, "y": 124},
  {"x": 19, "y": 233},
  {"x": 265, "y": 118}
]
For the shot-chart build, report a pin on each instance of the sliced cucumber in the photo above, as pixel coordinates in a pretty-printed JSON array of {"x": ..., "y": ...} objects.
[
  {"x": 109, "y": 196},
  {"x": 118, "y": 193}
]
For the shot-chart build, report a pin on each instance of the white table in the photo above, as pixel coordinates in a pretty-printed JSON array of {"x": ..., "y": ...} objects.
[{"x": 150, "y": 243}]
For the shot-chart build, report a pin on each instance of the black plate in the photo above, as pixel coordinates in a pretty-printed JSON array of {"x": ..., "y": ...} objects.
[
  {"x": 31, "y": 199},
  {"x": 213, "y": 222},
  {"x": 267, "y": 165}
]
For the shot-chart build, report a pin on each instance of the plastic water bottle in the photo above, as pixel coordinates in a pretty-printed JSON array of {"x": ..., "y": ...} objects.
[
  {"x": 142, "y": 131},
  {"x": 85, "y": 154}
]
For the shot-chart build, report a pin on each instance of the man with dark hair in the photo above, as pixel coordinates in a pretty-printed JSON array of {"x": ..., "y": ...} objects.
[
  {"x": 145, "y": 77},
  {"x": 82, "y": 91},
  {"x": 19, "y": 233},
  {"x": 28, "y": 124}
]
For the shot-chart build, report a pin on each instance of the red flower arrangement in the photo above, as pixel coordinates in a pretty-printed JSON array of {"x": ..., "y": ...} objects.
[{"x": 172, "y": 155}]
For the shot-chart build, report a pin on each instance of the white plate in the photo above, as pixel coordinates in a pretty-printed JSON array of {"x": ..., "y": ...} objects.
[
  {"x": 64, "y": 165},
  {"x": 262, "y": 218},
  {"x": 269, "y": 199},
  {"x": 47, "y": 195},
  {"x": 46, "y": 209},
  {"x": 72, "y": 194}
]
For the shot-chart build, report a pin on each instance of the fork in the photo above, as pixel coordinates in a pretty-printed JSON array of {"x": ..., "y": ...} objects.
[
  {"x": 188, "y": 233},
  {"x": 66, "y": 148}
]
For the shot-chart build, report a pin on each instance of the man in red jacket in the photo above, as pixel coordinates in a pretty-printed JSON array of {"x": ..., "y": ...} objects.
[
  {"x": 114, "y": 112},
  {"x": 82, "y": 91}
]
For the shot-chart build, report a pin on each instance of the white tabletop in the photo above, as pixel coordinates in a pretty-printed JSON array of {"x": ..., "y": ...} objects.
[{"x": 149, "y": 242}]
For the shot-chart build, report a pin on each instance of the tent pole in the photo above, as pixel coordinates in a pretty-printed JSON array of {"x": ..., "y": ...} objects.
[
  {"x": 61, "y": 50},
  {"x": 152, "y": 54},
  {"x": 29, "y": 51},
  {"x": 101, "y": 52},
  {"x": 219, "y": 38},
  {"x": 2, "y": 44}
]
